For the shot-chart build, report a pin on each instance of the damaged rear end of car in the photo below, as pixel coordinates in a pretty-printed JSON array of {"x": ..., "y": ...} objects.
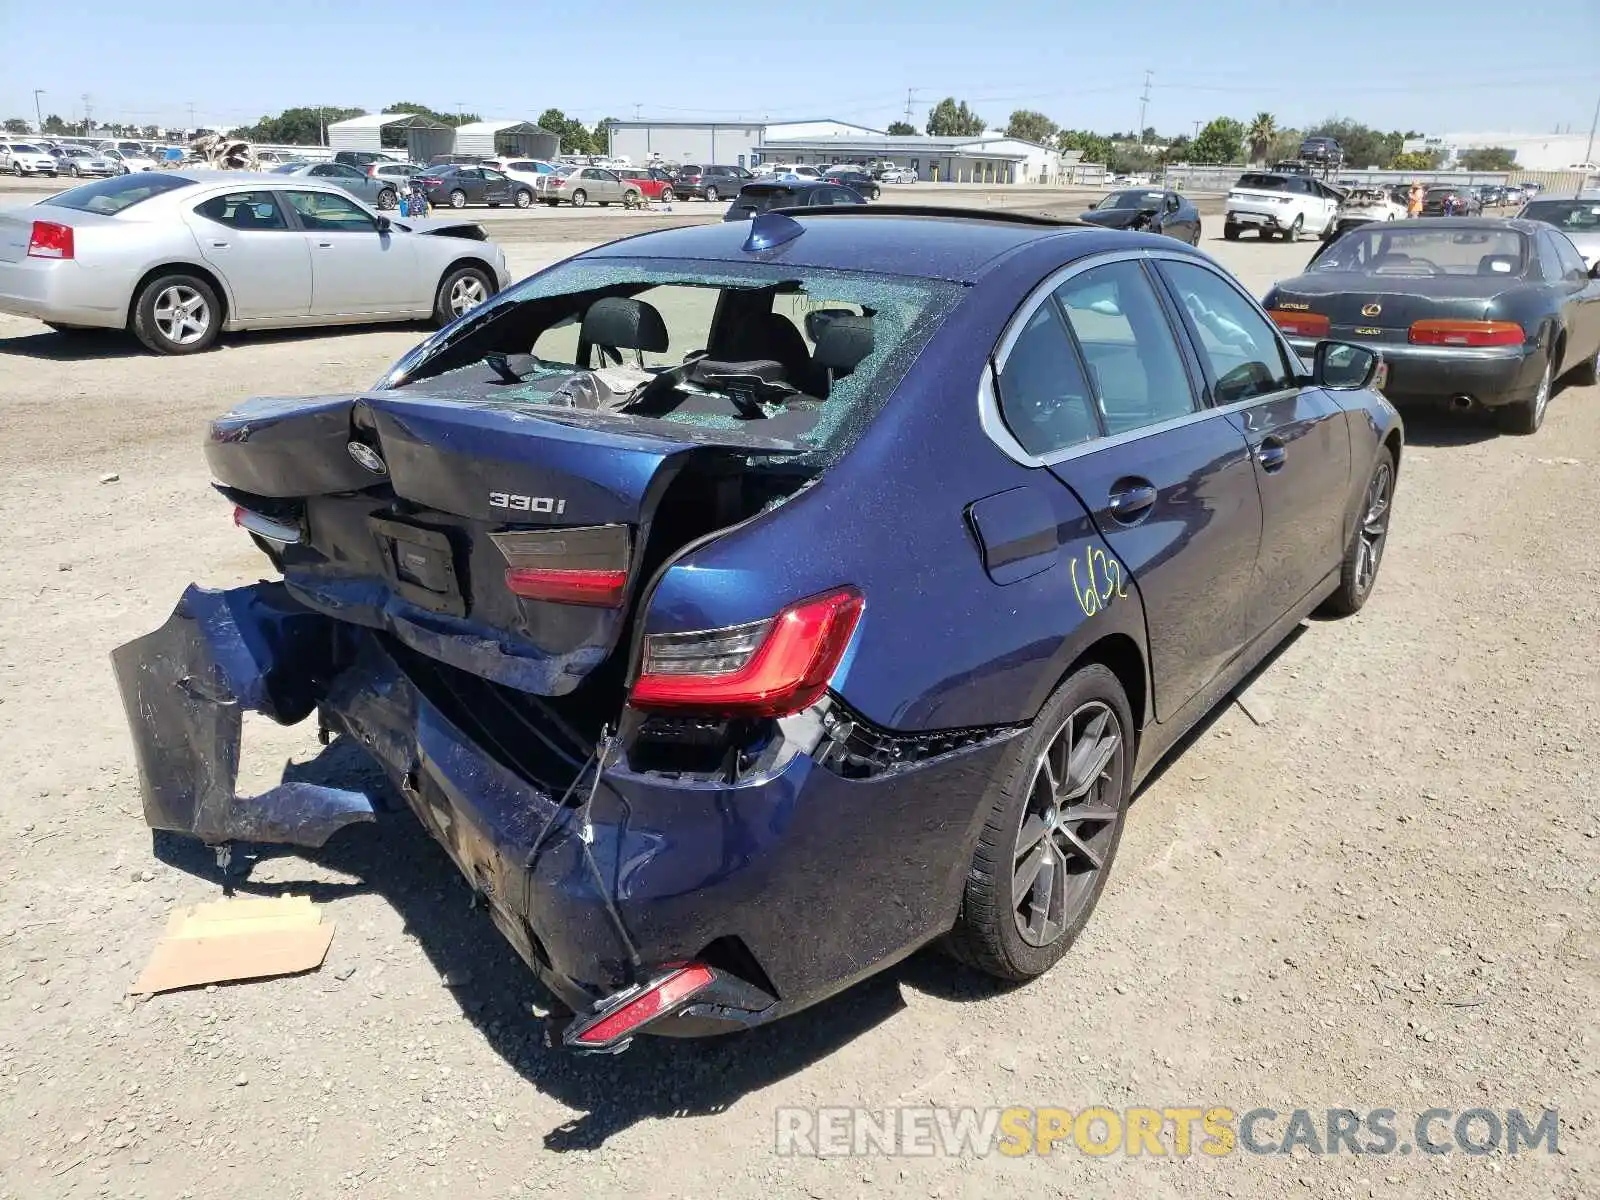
[{"x": 645, "y": 796}]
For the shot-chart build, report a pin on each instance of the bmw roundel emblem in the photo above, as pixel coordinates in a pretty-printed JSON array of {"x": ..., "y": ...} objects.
[{"x": 367, "y": 457}]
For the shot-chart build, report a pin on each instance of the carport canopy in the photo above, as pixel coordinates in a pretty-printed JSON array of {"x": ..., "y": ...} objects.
[
  {"x": 422, "y": 137},
  {"x": 512, "y": 139}
]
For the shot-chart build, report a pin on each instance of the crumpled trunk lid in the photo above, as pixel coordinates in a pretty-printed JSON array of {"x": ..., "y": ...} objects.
[{"x": 399, "y": 505}]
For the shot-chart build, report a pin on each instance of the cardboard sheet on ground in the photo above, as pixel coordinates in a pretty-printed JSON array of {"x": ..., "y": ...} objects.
[{"x": 237, "y": 939}]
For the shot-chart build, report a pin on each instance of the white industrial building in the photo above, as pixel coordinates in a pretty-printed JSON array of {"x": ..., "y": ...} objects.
[
  {"x": 425, "y": 137},
  {"x": 514, "y": 139},
  {"x": 1534, "y": 151},
  {"x": 991, "y": 158}
]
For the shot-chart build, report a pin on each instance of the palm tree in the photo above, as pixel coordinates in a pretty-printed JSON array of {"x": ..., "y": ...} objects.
[{"x": 1259, "y": 135}]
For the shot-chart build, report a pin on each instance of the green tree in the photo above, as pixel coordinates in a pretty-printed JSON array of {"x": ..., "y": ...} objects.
[
  {"x": 1489, "y": 158},
  {"x": 1260, "y": 135},
  {"x": 1417, "y": 160},
  {"x": 1178, "y": 150},
  {"x": 901, "y": 129},
  {"x": 16, "y": 125},
  {"x": 1133, "y": 160},
  {"x": 1030, "y": 126},
  {"x": 1222, "y": 141},
  {"x": 949, "y": 119},
  {"x": 54, "y": 124},
  {"x": 1285, "y": 144},
  {"x": 1148, "y": 135},
  {"x": 576, "y": 137},
  {"x": 303, "y": 126},
  {"x": 422, "y": 110},
  {"x": 1096, "y": 149}
]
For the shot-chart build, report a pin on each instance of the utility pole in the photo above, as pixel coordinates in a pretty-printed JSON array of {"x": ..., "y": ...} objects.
[
  {"x": 636, "y": 107},
  {"x": 910, "y": 96},
  {"x": 1144, "y": 100},
  {"x": 37, "y": 111},
  {"x": 1595, "y": 123},
  {"x": 88, "y": 114},
  {"x": 191, "y": 116}
]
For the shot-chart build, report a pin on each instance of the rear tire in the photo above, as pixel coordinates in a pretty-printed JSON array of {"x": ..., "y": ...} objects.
[
  {"x": 388, "y": 198},
  {"x": 580, "y": 198},
  {"x": 1358, "y": 570},
  {"x": 1230, "y": 232},
  {"x": 666, "y": 196},
  {"x": 524, "y": 198},
  {"x": 1292, "y": 234},
  {"x": 460, "y": 291},
  {"x": 1021, "y": 937},
  {"x": 712, "y": 195},
  {"x": 177, "y": 314},
  {"x": 1526, "y": 416},
  {"x": 458, "y": 199}
]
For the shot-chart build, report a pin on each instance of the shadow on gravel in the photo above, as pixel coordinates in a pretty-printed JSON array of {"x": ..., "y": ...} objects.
[
  {"x": 658, "y": 1077},
  {"x": 82, "y": 345},
  {"x": 1436, "y": 426}
]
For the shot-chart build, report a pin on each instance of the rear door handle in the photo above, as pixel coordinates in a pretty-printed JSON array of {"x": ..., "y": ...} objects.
[
  {"x": 220, "y": 245},
  {"x": 1271, "y": 454},
  {"x": 1131, "y": 501},
  {"x": 324, "y": 245}
]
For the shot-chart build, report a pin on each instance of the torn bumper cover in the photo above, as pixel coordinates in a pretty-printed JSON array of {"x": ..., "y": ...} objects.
[
  {"x": 185, "y": 688},
  {"x": 599, "y": 898}
]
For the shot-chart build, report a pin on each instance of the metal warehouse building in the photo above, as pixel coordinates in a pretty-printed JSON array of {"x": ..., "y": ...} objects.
[
  {"x": 731, "y": 143},
  {"x": 425, "y": 137},
  {"x": 515, "y": 139}
]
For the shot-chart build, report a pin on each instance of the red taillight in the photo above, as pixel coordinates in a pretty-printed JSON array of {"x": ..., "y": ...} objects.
[
  {"x": 429, "y": 180},
  {"x": 764, "y": 669},
  {"x": 604, "y": 589},
  {"x": 665, "y": 994},
  {"x": 1300, "y": 324},
  {"x": 50, "y": 240},
  {"x": 1466, "y": 333}
]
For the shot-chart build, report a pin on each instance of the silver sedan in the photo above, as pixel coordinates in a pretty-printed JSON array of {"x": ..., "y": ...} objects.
[
  {"x": 381, "y": 191},
  {"x": 176, "y": 257},
  {"x": 77, "y": 161}
]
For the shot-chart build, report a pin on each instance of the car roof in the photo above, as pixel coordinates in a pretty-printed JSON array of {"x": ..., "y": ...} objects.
[{"x": 931, "y": 244}]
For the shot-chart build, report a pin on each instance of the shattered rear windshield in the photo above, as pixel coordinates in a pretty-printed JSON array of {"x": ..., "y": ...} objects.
[{"x": 803, "y": 354}]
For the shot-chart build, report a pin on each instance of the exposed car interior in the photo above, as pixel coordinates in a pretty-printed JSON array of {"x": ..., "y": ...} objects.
[{"x": 784, "y": 356}]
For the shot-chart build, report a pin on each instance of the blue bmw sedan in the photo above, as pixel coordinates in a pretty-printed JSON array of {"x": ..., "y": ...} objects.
[{"x": 746, "y": 606}]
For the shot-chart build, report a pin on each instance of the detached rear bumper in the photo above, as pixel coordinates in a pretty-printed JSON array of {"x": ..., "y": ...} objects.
[{"x": 797, "y": 882}]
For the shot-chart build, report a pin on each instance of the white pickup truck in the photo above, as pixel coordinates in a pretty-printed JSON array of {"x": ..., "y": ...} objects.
[{"x": 1280, "y": 204}]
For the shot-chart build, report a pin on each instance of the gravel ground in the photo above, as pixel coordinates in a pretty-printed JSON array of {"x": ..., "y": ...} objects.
[{"x": 1384, "y": 897}]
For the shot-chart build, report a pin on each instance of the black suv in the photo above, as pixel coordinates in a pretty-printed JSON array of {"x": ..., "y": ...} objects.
[
  {"x": 710, "y": 182},
  {"x": 855, "y": 179},
  {"x": 362, "y": 159},
  {"x": 1322, "y": 150}
]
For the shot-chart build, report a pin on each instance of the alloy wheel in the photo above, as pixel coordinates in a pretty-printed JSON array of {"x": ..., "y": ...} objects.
[
  {"x": 467, "y": 293},
  {"x": 1069, "y": 823},
  {"x": 458, "y": 199},
  {"x": 1374, "y": 526},
  {"x": 182, "y": 315}
]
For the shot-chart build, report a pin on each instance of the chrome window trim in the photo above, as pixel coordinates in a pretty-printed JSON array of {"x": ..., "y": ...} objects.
[{"x": 993, "y": 421}]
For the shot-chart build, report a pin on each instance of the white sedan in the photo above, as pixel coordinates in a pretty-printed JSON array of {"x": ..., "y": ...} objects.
[{"x": 177, "y": 257}]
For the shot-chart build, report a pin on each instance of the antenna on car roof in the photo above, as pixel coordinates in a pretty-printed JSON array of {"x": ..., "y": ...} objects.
[{"x": 771, "y": 229}]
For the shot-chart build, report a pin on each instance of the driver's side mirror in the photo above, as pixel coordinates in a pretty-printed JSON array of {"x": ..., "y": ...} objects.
[
  {"x": 384, "y": 224},
  {"x": 1594, "y": 271},
  {"x": 1343, "y": 366}
]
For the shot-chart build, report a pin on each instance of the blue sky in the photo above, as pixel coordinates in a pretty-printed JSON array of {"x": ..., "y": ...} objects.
[{"x": 1450, "y": 65}]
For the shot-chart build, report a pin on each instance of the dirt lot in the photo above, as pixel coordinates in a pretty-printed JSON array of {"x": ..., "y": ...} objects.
[{"x": 1384, "y": 897}]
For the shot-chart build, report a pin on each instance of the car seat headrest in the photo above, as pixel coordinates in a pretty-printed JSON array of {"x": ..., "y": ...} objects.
[{"x": 626, "y": 324}]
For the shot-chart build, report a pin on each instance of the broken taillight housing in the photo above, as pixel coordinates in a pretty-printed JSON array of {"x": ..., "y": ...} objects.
[
  {"x": 51, "y": 240},
  {"x": 578, "y": 565},
  {"x": 661, "y": 996},
  {"x": 762, "y": 669}
]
